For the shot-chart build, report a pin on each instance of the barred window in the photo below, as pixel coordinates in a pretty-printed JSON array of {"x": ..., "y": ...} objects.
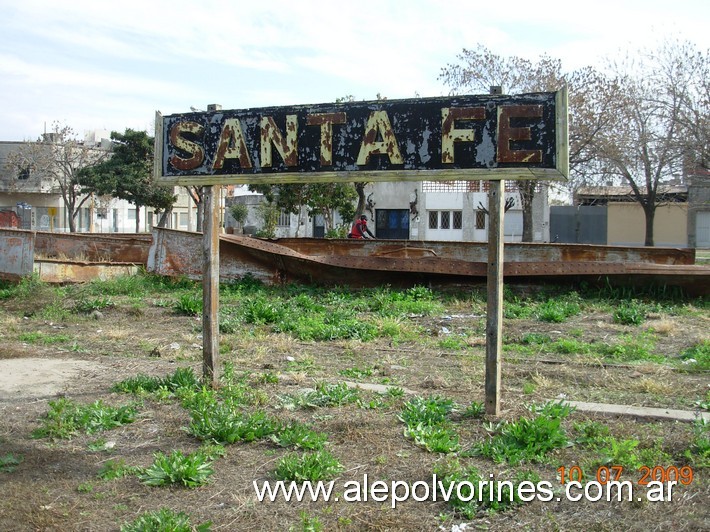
[
  {"x": 457, "y": 219},
  {"x": 480, "y": 219},
  {"x": 284, "y": 219},
  {"x": 433, "y": 219},
  {"x": 445, "y": 219}
]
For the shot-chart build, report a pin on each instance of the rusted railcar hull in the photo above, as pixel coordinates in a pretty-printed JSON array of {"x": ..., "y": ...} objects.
[{"x": 368, "y": 263}]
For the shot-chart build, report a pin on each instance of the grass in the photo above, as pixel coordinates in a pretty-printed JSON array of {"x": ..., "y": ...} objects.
[
  {"x": 697, "y": 357},
  {"x": 293, "y": 419}
]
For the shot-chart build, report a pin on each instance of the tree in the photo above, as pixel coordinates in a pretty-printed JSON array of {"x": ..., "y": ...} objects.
[
  {"x": 319, "y": 199},
  {"x": 479, "y": 69},
  {"x": 60, "y": 157},
  {"x": 660, "y": 120},
  {"x": 128, "y": 175}
]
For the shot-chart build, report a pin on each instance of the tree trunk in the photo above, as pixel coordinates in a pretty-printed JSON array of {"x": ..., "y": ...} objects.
[
  {"x": 361, "y": 200},
  {"x": 527, "y": 223},
  {"x": 649, "y": 211},
  {"x": 164, "y": 218},
  {"x": 527, "y": 194},
  {"x": 138, "y": 218},
  {"x": 200, "y": 215}
]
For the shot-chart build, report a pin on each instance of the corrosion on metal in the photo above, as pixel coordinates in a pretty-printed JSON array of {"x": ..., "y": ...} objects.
[{"x": 397, "y": 262}]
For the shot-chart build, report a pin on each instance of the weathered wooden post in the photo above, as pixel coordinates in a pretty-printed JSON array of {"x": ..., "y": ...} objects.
[
  {"x": 494, "y": 300},
  {"x": 210, "y": 287}
]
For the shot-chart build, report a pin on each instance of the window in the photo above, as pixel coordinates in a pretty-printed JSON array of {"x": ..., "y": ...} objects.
[
  {"x": 284, "y": 219},
  {"x": 131, "y": 215},
  {"x": 445, "y": 219},
  {"x": 480, "y": 219}
]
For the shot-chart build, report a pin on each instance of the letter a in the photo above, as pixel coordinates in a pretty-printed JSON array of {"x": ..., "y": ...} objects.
[{"x": 379, "y": 124}]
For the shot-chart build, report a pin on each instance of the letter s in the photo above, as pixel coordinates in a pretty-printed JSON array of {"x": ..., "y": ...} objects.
[{"x": 178, "y": 140}]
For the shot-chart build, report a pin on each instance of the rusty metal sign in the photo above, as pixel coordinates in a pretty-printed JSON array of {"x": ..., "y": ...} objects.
[{"x": 452, "y": 138}]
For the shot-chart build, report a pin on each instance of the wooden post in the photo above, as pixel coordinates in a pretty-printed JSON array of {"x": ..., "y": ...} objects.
[
  {"x": 494, "y": 313},
  {"x": 210, "y": 287}
]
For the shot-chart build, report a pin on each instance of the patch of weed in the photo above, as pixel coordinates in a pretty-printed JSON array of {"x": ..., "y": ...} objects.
[
  {"x": 113, "y": 469},
  {"x": 313, "y": 466},
  {"x": 630, "y": 312},
  {"x": 696, "y": 357},
  {"x": 225, "y": 423},
  {"x": 9, "y": 462},
  {"x": 189, "y": 470},
  {"x": 164, "y": 520},
  {"x": 468, "y": 492},
  {"x": 37, "y": 337},
  {"x": 189, "y": 305},
  {"x": 527, "y": 440},
  {"x": 66, "y": 418},
  {"x": 299, "y": 436}
]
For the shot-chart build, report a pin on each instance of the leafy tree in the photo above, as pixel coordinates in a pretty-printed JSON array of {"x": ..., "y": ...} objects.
[
  {"x": 60, "y": 157},
  {"x": 319, "y": 199},
  {"x": 128, "y": 175}
]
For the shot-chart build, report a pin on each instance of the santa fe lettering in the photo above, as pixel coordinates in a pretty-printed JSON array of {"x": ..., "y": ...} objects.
[{"x": 378, "y": 138}]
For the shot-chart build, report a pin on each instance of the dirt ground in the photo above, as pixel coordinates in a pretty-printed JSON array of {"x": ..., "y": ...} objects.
[{"x": 55, "y": 484}]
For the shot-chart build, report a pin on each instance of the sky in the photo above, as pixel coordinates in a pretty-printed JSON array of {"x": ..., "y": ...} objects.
[{"x": 100, "y": 65}]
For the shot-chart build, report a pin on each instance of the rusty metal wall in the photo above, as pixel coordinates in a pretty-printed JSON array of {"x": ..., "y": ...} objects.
[
  {"x": 94, "y": 246},
  {"x": 16, "y": 253}
]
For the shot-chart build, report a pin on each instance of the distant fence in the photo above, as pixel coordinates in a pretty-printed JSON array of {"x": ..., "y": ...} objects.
[{"x": 578, "y": 225}]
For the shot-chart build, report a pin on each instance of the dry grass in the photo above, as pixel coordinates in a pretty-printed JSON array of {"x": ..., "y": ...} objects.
[{"x": 44, "y": 493}]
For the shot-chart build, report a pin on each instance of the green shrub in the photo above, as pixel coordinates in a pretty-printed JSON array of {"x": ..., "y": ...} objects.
[
  {"x": 630, "y": 313},
  {"x": 66, "y": 418},
  {"x": 299, "y": 436},
  {"x": 557, "y": 311},
  {"x": 164, "y": 520},
  {"x": 189, "y": 470},
  {"x": 189, "y": 304},
  {"x": 526, "y": 439},
  {"x": 313, "y": 466},
  {"x": 697, "y": 357}
]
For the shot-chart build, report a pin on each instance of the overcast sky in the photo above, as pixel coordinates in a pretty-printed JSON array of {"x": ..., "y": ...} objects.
[{"x": 110, "y": 65}]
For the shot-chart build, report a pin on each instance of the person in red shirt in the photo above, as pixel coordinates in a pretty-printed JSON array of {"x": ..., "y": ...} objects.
[{"x": 360, "y": 229}]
